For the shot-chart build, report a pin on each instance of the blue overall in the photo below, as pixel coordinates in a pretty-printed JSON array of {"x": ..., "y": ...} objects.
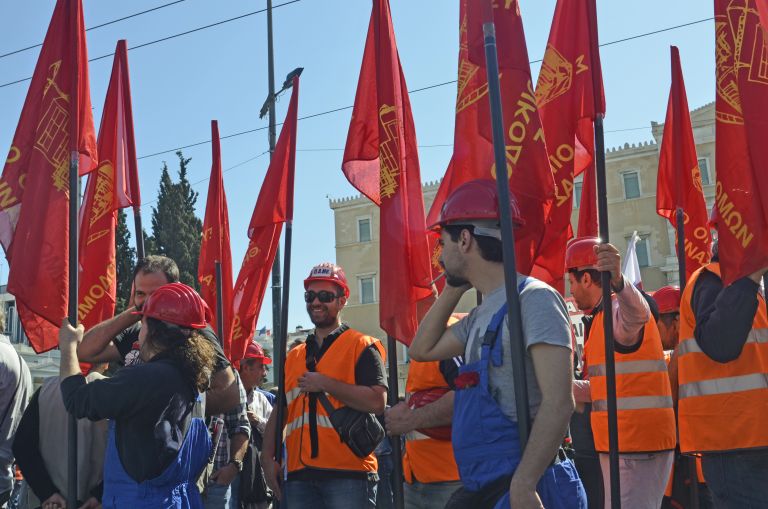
[
  {"x": 486, "y": 442},
  {"x": 174, "y": 488}
]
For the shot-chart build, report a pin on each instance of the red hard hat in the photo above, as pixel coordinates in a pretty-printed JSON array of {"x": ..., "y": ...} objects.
[
  {"x": 475, "y": 200},
  {"x": 425, "y": 397},
  {"x": 668, "y": 299},
  {"x": 580, "y": 253},
  {"x": 178, "y": 304},
  {"x": 328, "y": 272},
  {"x": 255, "y": 351}
]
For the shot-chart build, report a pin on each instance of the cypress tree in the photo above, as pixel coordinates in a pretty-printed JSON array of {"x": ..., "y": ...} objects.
[
  {"x": 125, "y": 260},
  {"x": 176, "y": 230}
]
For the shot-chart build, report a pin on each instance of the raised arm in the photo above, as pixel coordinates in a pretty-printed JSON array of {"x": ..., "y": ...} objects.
[
  {"x": 97, "y": 345},
  {"x": 434, "y": 340}
]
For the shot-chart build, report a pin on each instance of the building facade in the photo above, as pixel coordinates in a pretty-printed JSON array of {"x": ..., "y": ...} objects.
[{"x": 631, "y": 185}]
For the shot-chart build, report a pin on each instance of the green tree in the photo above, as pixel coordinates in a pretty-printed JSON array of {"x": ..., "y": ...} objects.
[
  {"x": 125, "y": 261},
  {"x": 176, "y": 230}
]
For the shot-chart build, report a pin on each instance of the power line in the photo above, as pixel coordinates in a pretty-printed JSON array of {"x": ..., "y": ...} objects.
[
  {"x": 99, "y": 26},
  {"x": 174, "y": 36}
]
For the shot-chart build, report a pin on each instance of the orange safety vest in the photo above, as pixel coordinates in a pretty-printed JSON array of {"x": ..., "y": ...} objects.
[
  {"x": 338, "y": 362},
  {"x": 643, "y": 395},
  {"x": 722, "y": 406},
  {"x": 427, "y": 460}
]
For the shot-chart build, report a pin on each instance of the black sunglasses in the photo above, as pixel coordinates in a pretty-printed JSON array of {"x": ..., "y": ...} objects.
[{"x": 323, "y": 296}]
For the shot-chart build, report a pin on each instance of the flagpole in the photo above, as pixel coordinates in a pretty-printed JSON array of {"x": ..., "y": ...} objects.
[
  {"x": 514, "y": 319},
  {"x": 72, "y": 315},
  {"x": 139, "y": 231},
  {"x": 396, "y": 440},
  {"x": 219, "y": 303},
  {"x": 276, "y": 290},
  {"x": 282, "y": 343}
]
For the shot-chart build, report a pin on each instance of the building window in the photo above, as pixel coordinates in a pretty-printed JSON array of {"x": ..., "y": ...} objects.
[
  {"x": 367, "y": 290},
  {"x": 643, "y": 251},
  {"x": 704, "y": 169},
  {"x": 364, "y": 229},
  {"x": 577, "y": 193},
  {"x": 631, "y": 185}
]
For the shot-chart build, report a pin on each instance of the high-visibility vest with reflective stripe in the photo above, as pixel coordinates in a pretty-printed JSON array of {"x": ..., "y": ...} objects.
[
  {"x": 338, "y": 362},
  {"x": 722, "y": 406},
  {"x": 643, "y": 394},
  {"x": 427, "y": 460}
]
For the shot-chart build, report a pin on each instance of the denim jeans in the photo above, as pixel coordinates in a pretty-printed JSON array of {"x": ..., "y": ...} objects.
[
  {"x": 222, "y": 497},
  {"x": 737, "y": 480},
  {"x": 384, "y": 491},
  {"x": 330, "y": 494},
  {"x": 429, "y": 495}
]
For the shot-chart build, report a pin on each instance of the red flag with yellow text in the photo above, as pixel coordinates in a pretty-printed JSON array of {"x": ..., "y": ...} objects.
[
  {"x": 569, "y": 94},
  {"x": 740, "y": 212},
  {"x": 273, "y": 207},
  {"x": 679, "y": 179},
  {"x": 215, "y": 246},
  {"x": 381, "y": 160},
  {"x": 56, "y": 121},
  {"x": 527, "y": 164},
  {"x": 114, "y": 185}
]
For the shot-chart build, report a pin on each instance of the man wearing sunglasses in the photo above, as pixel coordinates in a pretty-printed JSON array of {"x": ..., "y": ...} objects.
[{"x": 348, "y": 367}]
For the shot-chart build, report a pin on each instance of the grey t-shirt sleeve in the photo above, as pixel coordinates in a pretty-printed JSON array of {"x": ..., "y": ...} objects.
[
  {"x": 462, "y": 328},
  {"x": 545, "y": 316}
]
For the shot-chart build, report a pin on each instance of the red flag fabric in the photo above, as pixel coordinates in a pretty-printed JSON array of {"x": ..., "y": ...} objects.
[
  {"x": 527, "y": 164},
  {"x": 55, "y": 121},
  {"x": 114, "y": 185},
  {"x": 741, "y": 193},
  {"x": 679, "y": 179},
  {"x": 215, "y": 246},
  {"x": 569, "y": 94},
  {"x": 762, "y": 8},
  {"x": 273, "y": 207},
  {"x": 588, "y": 205},
  {"x": 381, "y": 160}
]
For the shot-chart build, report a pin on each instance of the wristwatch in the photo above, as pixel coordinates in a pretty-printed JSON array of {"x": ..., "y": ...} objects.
[{"x": 238, "y": 464}]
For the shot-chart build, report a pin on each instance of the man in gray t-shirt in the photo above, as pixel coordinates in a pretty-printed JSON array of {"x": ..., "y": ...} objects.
[
  {"x": 545, "y": 320},
  {"x": 484, "y": 422}
]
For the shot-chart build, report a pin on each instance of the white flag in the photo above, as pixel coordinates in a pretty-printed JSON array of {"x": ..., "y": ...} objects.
[{"x": 631, "y": 267}]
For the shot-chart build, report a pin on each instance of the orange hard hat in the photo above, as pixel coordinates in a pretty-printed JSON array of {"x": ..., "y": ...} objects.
[
  {"x": 421, "y": 398},
  {"x": 580, "y": 253},
  {"x": 255, "y": 351},
  {"x": 328, "y": 272},
  {"x": 178, "y": 304},
  {"x": 476, "y": 201},
  {"x": 668, "y": 299}
]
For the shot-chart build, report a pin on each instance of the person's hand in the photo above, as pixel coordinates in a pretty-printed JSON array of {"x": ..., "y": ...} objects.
[
  {"x": 312, "y": 381},
  {"x": 609, "y": 260},
  {"x": 524, "y": 496},
  {"x": 272, "y": 471},
  {"x": 70, "y": 337},
  {"x": 91, "y": 503},
  {"x": 55, "y": 501},
  {"x": 256, "y": 421},
  {"x": 399, "y": 419},
  {"x": 225, "y": 475}
]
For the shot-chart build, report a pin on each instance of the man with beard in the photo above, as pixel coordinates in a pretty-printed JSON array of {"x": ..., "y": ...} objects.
[{"x": 344, "y": 367}]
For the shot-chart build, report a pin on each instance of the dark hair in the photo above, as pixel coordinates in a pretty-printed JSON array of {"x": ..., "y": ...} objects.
[
  {"x": 156, "y": 263},
  {"x": 668, "y": 318},
  {"x": 194, "y": 354},
  {"x": 593, "y": 274},
  {"x": 490, "y": 248}
]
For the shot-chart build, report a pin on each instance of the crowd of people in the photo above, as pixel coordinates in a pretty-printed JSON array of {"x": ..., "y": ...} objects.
[{"x": 180, "y": 426}]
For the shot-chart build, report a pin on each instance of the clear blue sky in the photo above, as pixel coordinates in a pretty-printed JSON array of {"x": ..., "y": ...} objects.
[{"x": 221, "y": 73}]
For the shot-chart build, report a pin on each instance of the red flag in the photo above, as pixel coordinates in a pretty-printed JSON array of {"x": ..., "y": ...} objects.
[
  {"x": 588, "y": 206},
  {"x": 569, "y": 95},
  {"x": 741, "y": 210},
  {"x": 215, "y": 246},
  {"x": 55, "y": 121},
  {"x": 381, "y": 160},
  {"x": 762, "y": 8},
  {"x": 273, "y": 207},
  {"x": 114, "y": 185},
  {"x": 530, "y": 175},
  {"x": 679, "y": 180}
]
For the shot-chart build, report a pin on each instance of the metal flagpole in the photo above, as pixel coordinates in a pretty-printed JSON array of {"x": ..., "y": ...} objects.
[
  {"x": 610, "y": 362},
  {"x": 680, "y": 227},
  {"x": 397, "y": 452},
  {"x": 219, "y": 303},
  {"x": 514, "y": 319},
  {"x": 139, "y": 231},
  {"x": 282, "y": 343},
  {"x": 276, "y": 314},
  {"x": 74, "y": 205}
]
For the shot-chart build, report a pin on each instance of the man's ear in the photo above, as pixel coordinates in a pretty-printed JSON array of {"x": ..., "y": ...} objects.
[
  {"x": 342, "y": 301},
  {"x": 465, "y": 241}
]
